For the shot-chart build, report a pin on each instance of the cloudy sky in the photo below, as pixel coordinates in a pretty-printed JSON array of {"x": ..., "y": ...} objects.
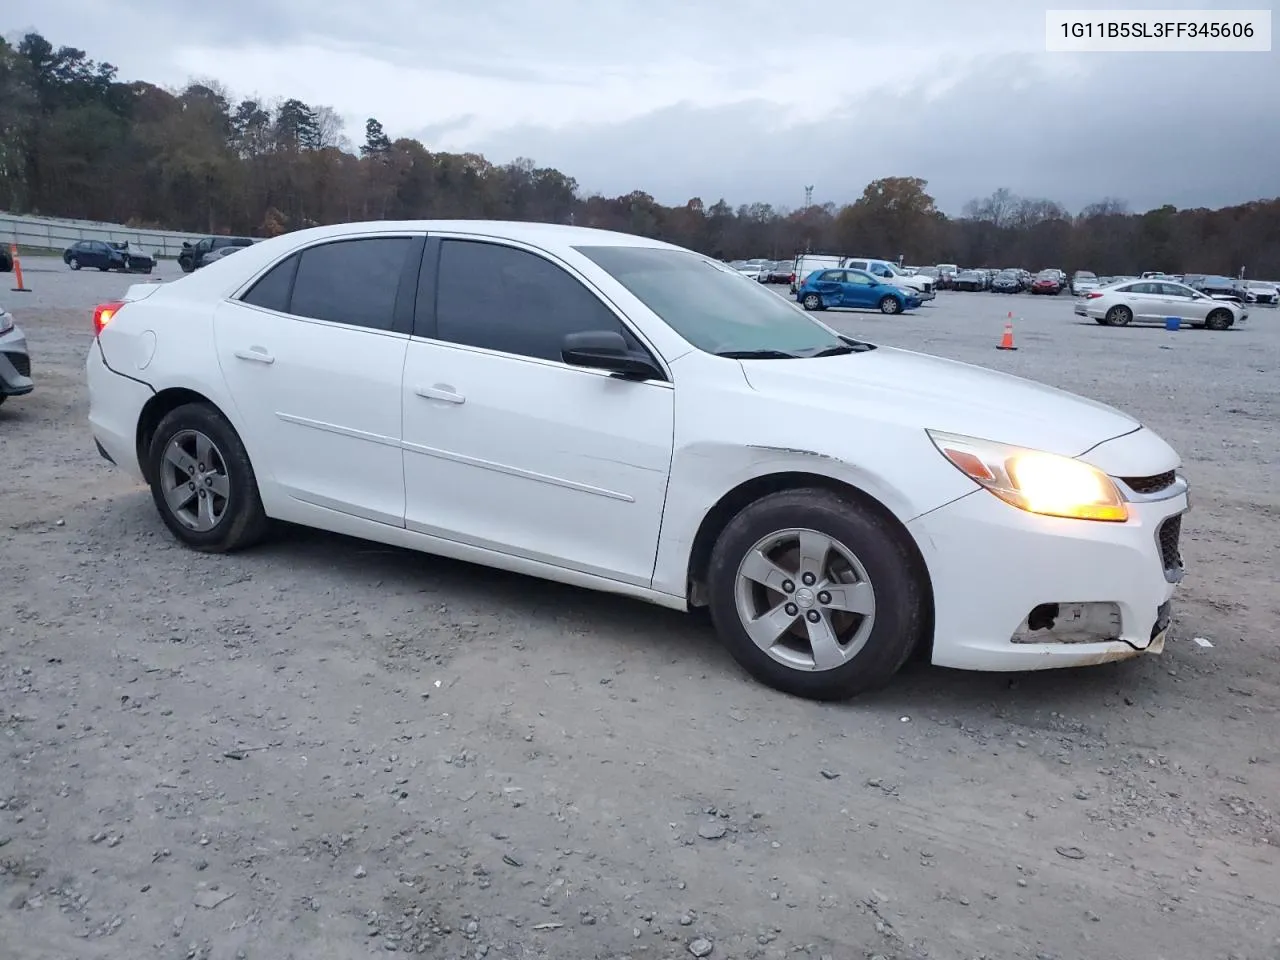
[{"x": 748, "y": 100}]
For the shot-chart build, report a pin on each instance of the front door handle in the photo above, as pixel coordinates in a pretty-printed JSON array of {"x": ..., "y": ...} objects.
[
  {"x": 440, "y": 393},
  {"x": 256, "y": 354}
]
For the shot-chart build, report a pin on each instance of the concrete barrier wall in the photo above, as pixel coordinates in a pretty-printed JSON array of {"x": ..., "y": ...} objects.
[{"x": 56, "y": 234}]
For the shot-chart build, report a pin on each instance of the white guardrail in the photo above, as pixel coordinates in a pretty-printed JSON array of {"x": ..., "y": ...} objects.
[{"x": 56, "y": 234}]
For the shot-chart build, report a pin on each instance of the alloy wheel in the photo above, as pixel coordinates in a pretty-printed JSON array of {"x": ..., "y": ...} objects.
[{"x": 805, "y": 599}]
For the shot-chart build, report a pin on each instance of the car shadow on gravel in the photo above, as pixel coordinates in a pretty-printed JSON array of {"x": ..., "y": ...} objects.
[{"x": 482, "y": 587}]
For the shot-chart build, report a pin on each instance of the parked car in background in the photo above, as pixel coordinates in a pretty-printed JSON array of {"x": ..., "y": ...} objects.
[
  {"x": 854, "y": 289},
  {"x": 1264, "y": 292},
  {"x": 755, "y": 269},
  {"x": 1221, "y": 288},
  {"x": 15, "y": 360},
  {"x": 1006, "y": 281},
  {"x": 1047, "y": 282},
  {"x": 971, "y": 280},
  {"x": 779, "y": 272},
  {"x": 106, "y": 256},
  {"x": 1152, "y": 301},
  {"x": 947, "y": 276},
  {"x": 931, "y": 273},
  {"x": 220, "y": 254},
  {"x": 1083, "y": 281},
  {"x": 922, "y": 287},
  {"x": 194, "y": 255},
  {"x": 707, "y": 445}
]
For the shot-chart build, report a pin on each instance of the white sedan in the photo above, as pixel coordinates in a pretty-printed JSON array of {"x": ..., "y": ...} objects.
[
  {"x": 1152, "y": 301},
  {"x": 625, "y": 415}
]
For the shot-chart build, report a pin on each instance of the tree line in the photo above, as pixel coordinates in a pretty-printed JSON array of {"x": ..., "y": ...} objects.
[{"x": 76, "y": 141}]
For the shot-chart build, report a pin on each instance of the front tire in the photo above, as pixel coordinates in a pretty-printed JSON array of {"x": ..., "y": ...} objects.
[
  {"x": 202, "y": 481},
  {"x": 816, "y": 595},
  {"x": 1219, "y": 320},
  {"x": 890, "y": 305}
]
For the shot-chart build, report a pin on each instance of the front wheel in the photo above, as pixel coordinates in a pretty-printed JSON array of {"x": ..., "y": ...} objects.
[
  {"x": 811, "y": 301},
  {"x": 1219, "y": 320},
  {"x": 890, "y": 305},
  {"x": 202, "y": 481},
  {"x": 816, "y": 595}
]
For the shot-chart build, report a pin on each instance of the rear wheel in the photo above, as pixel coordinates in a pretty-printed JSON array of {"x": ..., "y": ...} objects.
[
  {"x": 815, "y": 595},
  {"x": 1119, "y": 316},
  {"x": 202, "y": 481},
  {"x": 74, "y": 263},
  {"x": 1219, "y": 320},
  {"x": 811, "y": 301},
  {"x": 890, "y": 305}
]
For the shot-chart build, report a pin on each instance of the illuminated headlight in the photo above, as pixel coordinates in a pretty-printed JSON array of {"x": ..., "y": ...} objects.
[{"x": 1035, "y": 481}]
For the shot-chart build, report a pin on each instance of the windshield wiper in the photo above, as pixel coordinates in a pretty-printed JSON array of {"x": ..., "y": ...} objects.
[{"x": 757, "y": 355}]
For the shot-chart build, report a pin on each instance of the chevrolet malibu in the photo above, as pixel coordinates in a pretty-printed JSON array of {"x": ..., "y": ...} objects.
[{"x": 625, "y": 415}]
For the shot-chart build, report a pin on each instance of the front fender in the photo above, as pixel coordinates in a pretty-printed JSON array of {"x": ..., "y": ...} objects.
[{"x": 702, "y": 474}]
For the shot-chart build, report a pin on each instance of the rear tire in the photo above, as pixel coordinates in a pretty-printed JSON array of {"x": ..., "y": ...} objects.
[
  {"x": 781, "y": 539},
  {"x": 1119, "y": 316},
  {"x": 890, "y": 305},
  {"x": 73, "y": 263},
  {"x": 811, "y": 302},
  {"x": 218, "y": 509},
  {"x": 1219, "y": 320}
]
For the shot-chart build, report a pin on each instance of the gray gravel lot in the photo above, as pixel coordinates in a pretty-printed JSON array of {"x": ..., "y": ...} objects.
[{"x": 326, "y": 748}]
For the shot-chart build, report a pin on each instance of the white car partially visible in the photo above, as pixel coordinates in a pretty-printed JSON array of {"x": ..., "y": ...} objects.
[{"x": 625, "y": 415}]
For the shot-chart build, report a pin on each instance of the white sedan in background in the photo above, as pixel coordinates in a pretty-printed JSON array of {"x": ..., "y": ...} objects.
[
  {"x": 1152, "y": 301},
  {"x": 625, "y": 415}
]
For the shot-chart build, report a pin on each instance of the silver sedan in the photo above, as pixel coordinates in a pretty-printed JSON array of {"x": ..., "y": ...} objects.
[{"x": 1154, "y": 301}]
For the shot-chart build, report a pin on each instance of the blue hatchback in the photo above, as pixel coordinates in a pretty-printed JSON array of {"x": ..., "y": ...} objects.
[{"x": 824, "y": 289}]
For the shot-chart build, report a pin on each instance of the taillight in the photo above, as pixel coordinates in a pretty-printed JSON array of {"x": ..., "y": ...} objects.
[
  {"x": 793, "y": 278},
  {"x": 1092, "y": 296},
  {"x": 103, "y": 313}
]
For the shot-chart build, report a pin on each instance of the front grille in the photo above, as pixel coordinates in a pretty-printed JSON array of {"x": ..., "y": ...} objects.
[
  {"x": 21, "y": 362},
  {"x": 1147, "y": 485},
  {"x": 1169, "y": 535},
  {"x": 1265, "y": 298}
]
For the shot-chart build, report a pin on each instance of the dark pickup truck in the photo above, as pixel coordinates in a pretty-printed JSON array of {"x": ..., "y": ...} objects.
[{"x": 194, "y": 255}]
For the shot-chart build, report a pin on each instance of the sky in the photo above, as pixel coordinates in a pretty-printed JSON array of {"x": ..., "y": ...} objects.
[{"x": 745, "y": 100}]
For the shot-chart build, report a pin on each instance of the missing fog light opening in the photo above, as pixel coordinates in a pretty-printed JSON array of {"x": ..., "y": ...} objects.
[{"x": 1070, "y": 623}]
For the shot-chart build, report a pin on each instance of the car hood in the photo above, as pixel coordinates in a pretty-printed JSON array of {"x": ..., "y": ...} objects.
[{"x": 929, "y": 392}]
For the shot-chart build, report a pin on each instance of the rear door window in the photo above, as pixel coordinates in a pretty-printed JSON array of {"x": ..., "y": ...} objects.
[{"x": 351, "y": 281}]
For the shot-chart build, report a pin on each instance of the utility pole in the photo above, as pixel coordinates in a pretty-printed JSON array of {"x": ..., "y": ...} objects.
[{"x": 808, "y": 197}]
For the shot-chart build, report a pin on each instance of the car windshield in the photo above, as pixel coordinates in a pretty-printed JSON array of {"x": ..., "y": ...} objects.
[{"x": 710, "y": 307}]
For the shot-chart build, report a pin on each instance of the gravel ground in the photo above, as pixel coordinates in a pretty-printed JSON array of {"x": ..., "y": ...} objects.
[{"x": 327, "y": 748}]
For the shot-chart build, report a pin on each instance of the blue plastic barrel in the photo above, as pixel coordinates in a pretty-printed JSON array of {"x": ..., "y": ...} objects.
[{"x": 1172, "y": 323}]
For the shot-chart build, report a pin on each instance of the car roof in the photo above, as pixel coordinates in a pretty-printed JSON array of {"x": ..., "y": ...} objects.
[{"x": 554, "y": 238}]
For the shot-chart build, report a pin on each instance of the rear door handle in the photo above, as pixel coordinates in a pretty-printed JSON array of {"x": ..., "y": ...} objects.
[
  {"x": 440, "y": 393},
  {"x": 256, "y": 354}
]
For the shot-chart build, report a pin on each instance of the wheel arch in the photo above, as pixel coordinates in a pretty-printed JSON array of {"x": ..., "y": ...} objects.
[
  {"x": 749, "y": 491},
  {"x": 155, "y": 410}
]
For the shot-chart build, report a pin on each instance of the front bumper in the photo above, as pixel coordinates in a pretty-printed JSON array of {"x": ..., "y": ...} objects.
[
  {"x": 994, "y": 566},
  {"x": 15, "y": 364}
]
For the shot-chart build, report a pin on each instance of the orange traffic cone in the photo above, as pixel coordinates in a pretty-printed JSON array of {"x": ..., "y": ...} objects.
[
  {"x": 17, "y": 269},
  {"x": 1006, "y": 341}
]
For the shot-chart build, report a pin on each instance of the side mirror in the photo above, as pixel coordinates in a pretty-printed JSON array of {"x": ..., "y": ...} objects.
[{"x": 606, "y": 350}]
